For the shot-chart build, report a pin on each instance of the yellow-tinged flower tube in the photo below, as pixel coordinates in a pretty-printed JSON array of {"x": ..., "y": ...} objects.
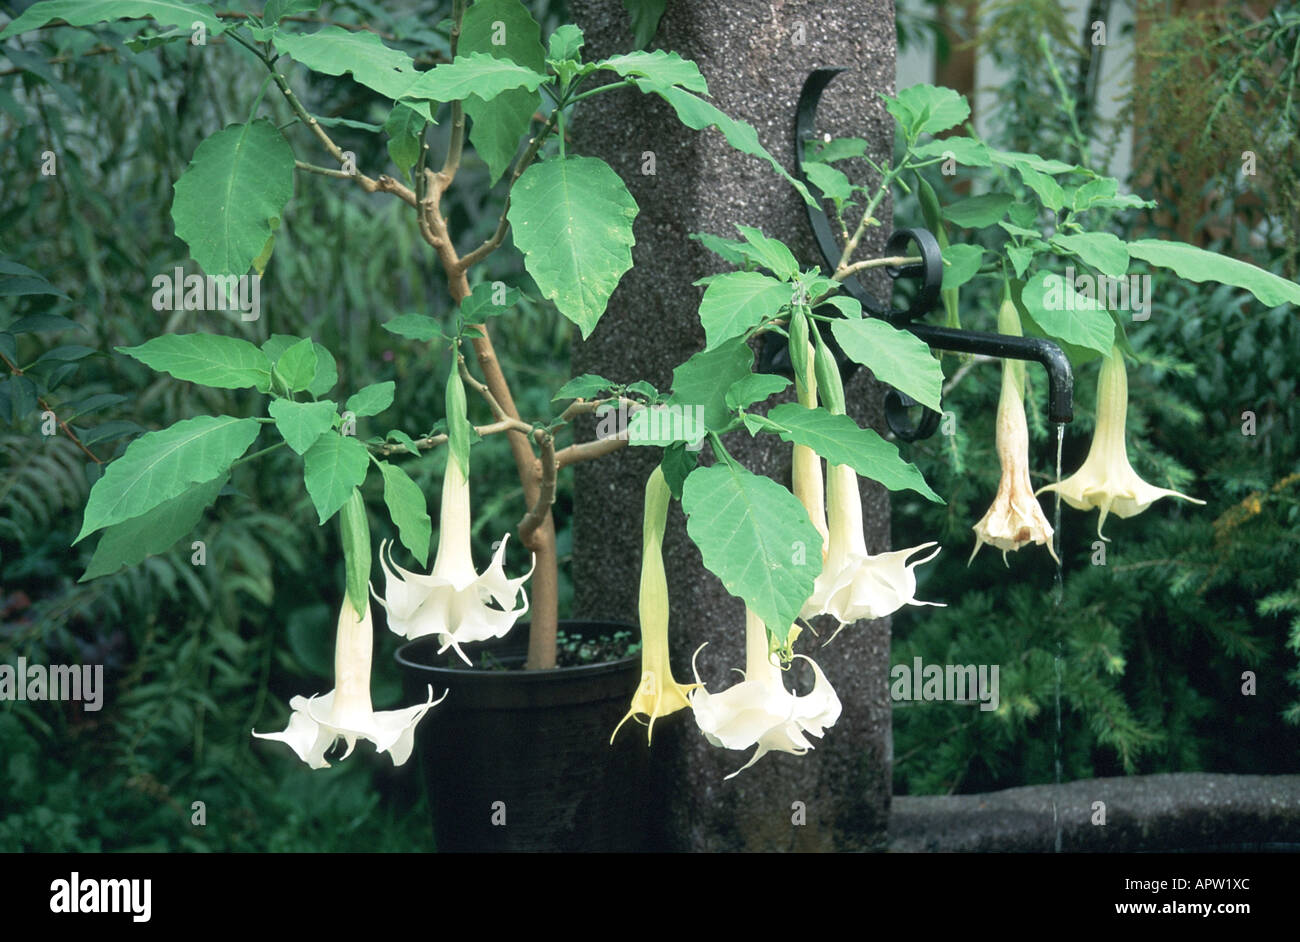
[
  {"x": 1106, "y": 480},
  {"x": 658, "y": 694},
  {"x": 1015, "y": 517},
  {"x": 346, "y": 711},
  {"x": 759, "y": 710},
  {"x": 453, "y": 601}
]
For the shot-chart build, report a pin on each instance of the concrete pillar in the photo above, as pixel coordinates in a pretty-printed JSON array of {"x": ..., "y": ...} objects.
[{"x": 755, "y": 55}]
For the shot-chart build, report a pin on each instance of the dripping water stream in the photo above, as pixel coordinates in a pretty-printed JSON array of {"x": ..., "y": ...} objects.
[{"x": 1059, "y": 593}]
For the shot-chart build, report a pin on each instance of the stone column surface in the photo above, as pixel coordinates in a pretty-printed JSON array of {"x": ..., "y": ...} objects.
[{"x": 755, "y": 55}]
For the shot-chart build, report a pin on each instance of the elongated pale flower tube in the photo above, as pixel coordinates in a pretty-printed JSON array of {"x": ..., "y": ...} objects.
[
  {"x": 1015, "y": 517},
  {"x": 318, "y": 722},
  {"x": 657, "y": 694},
  {"x": 759, "y": 710},
  {"x": 853, "y": 584},
  {"x": 453, "y": 600},
  {"x": 1106, "y": 480}
]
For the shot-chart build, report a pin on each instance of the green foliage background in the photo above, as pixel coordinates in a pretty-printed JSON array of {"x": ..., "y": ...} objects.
[{"x": 1151, "y": 646}]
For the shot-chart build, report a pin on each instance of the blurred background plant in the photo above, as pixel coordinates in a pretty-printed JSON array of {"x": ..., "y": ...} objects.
[
  {"x": 195, "y": 656},
  {"x": 1153, "y": 645}
]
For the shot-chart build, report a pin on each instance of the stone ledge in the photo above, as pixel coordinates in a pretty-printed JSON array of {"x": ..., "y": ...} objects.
[{"x": 1189, "y": 811}]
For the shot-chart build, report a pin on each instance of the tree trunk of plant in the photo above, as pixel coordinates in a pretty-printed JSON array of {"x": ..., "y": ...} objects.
[{"x": 755, "y": 55}]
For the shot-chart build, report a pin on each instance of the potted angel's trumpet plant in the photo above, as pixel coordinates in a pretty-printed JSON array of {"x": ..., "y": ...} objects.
[
  {"x": 453, "y": 601},
  {"x": 1015, "y": 517},
  {"x": 853, "y": 584},
  {"x": 346, "y": 712},
  {"x": 759, "y": 710},
  {"x": 658, "y": 693},
  {"x": 1107, "y": 481}
]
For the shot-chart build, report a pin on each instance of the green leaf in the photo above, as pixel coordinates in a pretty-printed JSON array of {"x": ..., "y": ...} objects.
[
  {"x": 297, "y": 365},
  {"x": 754, "y": 388},
  {"x": 771, "y": 253},
  {"x": 572, "y": 219},
  {"x": 840, "y": 148},
  {"x": 500, "y": 124},
  {"x": 586, "y": 386},
  {"x": 238, "y": 181},
  {"x": 42, "y": 324},
  {"x": 407, "y": 507},
  {"x": 894, "y": 356},
  {"x": 660, "y": 67},
  {"x": 1198, "y": 265},
  {"x": 371, "y": 400},
  {"x": 355, "y": 531},
  {"x": 833, "y": 184},
  {"x": 698, "y": 114},
  {"x": 736, "y": 301},
  {"x": 131, "y": 541},
  {"x": 475, "y": 74},
  {"x": 749, "y": 530},
  {"x": 415, "y": 326},
  {"x": 161, "y": 465},
  {"x": 327, "y": 372},
  {"x": 704, "y": 379},
  {"x": 927, "y": 109},
  {"x": 1064, "y": 313},
  {"x": 481, "y": 303},
  {"x": 728, "y": 249},
  {"x": 1021, "y": 257},
  {"x": 645, "y": 19},
  {"x": 1102, "y": 250},
  {"x": 964, "y": 150},
  {"x": 301, "y": 424},
  {"x": 81, "y": 13},
  {"x": 963, "y": 263},
  {"x": 331, "y": 469},
  {"x": 839, "y": 440},
  {"x": 277, "y": 10},
  {"x": 978, "y": 211},
  {"x": 1049, "y": 191},
  {"x": 678, "y": 461},
  {"x": 404, "y": 128},
  {"x": 207, "y": 359},
  {"x": 337, "y": 51},
  {"x": 565, "y": 43},
  {"x": 405, "y": 441},
  {"x": 1018, "y": 159},
  {"x": 459, "y": 430}
]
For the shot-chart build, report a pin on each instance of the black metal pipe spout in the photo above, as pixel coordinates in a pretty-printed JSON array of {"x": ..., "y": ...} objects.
[{"x": 775, "y": 358}]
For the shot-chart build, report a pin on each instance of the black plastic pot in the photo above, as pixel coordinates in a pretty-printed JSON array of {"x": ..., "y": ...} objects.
[{"x": 530, "y": 749}]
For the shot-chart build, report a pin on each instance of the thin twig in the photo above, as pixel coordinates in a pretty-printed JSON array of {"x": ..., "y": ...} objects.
[{"x": 45, "y": 407}]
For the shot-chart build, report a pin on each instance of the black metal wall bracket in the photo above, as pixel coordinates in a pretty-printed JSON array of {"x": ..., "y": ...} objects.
[{"x": 775, "y": 356}]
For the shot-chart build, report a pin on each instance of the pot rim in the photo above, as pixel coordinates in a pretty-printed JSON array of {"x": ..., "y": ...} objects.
[{"x": 486, "y": 675}]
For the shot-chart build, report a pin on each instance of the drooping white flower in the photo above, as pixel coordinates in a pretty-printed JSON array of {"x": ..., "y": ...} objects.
[
  {"x": 1106, "y": 480},
  {"x": 346, "y": 712},
  {"x": 453, "y": 601},
  {"x": 1015, "y": 517},
  {"x": 759, "y": 710},
  {"x": 854, "y": 584}
]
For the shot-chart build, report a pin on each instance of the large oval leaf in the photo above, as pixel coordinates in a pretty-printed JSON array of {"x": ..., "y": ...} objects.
[
  {"x": 238, "y": 181},
  {"x": 160, "y": 465},
  {"x": 756, "y": 537},
  {"x": 572, "y": 219}
]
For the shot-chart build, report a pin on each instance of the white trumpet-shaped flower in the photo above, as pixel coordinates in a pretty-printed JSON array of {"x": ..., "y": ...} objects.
[
  {"x": 453, "y": 601},
  {"x": 854, "y": 584},
  {"x": 1106, "y": 480},
  {"x": 1015, "y": 518},
  {"x": 759, "y": 710},
  {"x": 346, "y": 712}
]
